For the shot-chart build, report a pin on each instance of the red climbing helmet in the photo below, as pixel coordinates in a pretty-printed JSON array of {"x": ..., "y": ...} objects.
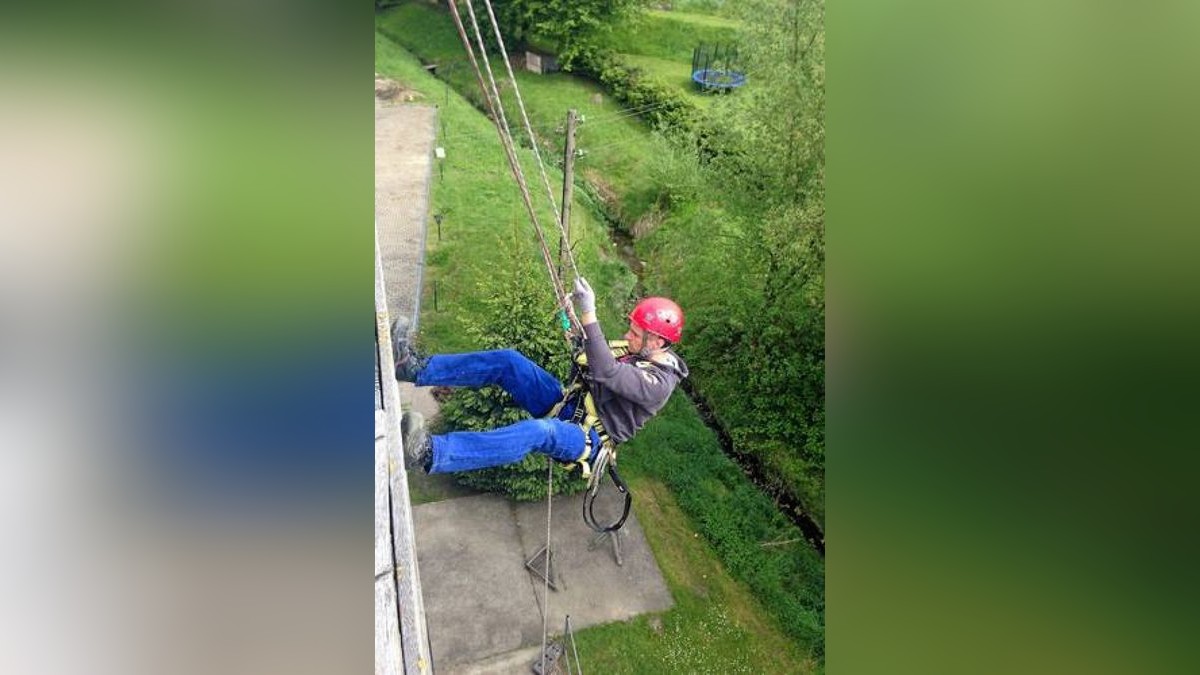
[{"x": 660, "y": 316}]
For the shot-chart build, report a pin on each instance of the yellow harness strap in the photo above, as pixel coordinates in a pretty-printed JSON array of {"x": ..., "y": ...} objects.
[{"x": 591, "y": 420}]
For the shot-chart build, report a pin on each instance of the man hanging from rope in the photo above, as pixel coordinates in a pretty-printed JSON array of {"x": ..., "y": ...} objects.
[{"x": 627, "y": 390}]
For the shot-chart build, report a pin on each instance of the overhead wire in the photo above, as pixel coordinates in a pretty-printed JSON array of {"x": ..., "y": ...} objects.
[{"x": 617, "y": 115}]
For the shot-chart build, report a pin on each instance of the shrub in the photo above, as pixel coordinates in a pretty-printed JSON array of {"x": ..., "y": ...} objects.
[
  {"x": 664, "y": 108},
  {"x": 518, "y": 313}
]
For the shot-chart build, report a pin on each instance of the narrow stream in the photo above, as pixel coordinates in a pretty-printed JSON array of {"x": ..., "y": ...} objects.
[{"x": 751, "y": 465}]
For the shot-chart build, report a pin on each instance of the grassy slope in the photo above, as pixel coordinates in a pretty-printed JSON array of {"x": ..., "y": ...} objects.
[
  {"x": 718, "y": 625},
  {"x": 661, "y": 44},
  {"x": 715, "y": 626},
  {"x": 605, "y": 134},
  {"x": 672, "y": 35},
  {"x": 483, "y": 209}
]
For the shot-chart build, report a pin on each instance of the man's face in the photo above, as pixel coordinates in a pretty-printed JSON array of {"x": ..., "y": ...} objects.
[{"x": 639, "y": 339}]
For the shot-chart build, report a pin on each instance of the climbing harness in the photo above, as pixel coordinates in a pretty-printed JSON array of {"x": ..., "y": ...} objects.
[{"x": 587, "y": 416}]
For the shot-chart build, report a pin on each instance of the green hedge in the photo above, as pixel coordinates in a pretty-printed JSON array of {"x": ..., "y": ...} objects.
[{"x": 663, "y": 108}]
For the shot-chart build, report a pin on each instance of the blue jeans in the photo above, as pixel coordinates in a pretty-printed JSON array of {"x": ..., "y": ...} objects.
[{"x": 531, "y": 387}]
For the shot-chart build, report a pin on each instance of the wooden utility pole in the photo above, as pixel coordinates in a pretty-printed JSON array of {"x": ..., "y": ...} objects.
[{"x": 568, "y": 188}]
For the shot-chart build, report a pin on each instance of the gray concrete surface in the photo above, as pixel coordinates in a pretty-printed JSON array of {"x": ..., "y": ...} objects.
[
  {"x": 474, "y": 579},
  {"x": 404, "y": 144},
  {"x": 417, "y": 398},
  {"x": 593, "y": 589},
  {"x": 484, "y": 607},
  {"x": 516, "y": 662}
]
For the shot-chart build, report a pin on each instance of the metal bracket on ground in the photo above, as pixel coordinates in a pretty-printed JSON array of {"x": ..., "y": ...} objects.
[
  {"x": 614, "y": 537},
  {"x": 546, "y": 569}
]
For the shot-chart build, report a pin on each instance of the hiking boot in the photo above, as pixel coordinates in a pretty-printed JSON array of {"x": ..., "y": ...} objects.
[
  {"x": 418, "y": 449},
  {"x": 408, "y": 362}
]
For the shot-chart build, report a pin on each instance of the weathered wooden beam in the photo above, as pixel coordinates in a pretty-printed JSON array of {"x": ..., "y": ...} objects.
[{"x": 399, "y": 605}]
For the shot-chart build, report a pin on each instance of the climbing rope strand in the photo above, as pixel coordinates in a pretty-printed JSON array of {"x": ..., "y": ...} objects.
[
  {"x": 503, "y": 121},
  {"x": 546, "y": 576},
  {"x": 506, "y": 138},
  {"x": 533, "y": 143},
  {"x": 510, "y": 152},
  {"x": 521, "y": 107}
]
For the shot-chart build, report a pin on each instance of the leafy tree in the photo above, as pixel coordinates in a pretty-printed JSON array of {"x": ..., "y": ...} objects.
[
  {"x": 570, "y": 27},
  {"x": 760, "y": 337},
  {"x": 519, "y": 313}
]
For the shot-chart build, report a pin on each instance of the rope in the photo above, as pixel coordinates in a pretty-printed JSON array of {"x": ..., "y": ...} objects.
[
  {"x": 501, "y": 122},
  {"x": 496, "y": 106},
  {"x": 546, "y": 576},
  {"x": 528, "y": 127},
  {"x": 571, "y": 634}
]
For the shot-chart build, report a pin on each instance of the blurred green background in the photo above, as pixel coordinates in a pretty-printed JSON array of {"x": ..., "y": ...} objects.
[{"x": 1012, "y": 307}]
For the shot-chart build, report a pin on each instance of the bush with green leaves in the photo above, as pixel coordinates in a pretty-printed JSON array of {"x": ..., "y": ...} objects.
[
  {"x": 567, "y": 27},
  {"x": 519, "y": 313},
  {"x": 662, "y": 107},
  {"x": 756, "y": 312}
]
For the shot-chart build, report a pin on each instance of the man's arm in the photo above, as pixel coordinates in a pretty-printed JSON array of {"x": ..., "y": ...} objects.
[{"x": 644, "y": 383}]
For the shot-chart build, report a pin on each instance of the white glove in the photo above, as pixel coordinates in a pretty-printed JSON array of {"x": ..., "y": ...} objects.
[{"x": 585, "y": 297}]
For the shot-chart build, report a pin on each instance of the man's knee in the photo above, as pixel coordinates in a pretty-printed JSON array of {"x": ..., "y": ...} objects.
[
  {"x": 511, "y": 356},
  {"x": 548, "y": 430},
  {"x": 516, "y": 362}
]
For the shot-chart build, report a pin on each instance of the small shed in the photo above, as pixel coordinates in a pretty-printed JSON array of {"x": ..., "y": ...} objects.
[{"x": 540, "y": 62}]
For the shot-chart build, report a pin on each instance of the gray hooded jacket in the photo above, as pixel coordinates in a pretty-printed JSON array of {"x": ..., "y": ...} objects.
[{"x": 630, "y": 390}]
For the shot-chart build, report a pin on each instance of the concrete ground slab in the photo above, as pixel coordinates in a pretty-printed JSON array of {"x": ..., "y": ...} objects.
[
  {"x": 593, "y": 589},
  {"x": 404, "y": 142},
  {"x": 519, "y": 662},
  {"x": 477, "y": 599},
  {"x": 483, "y": 606}
]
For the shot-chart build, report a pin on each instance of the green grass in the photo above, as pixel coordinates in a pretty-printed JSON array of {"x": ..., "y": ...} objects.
[
  {"x": 695, "y": 18},
  {"x": 716, "y": 626},
  {"x": 705, "y": 7},
  {"x": 734, "y": 517},
  {"x": 740, "y": 607},
  {"x": 672, "y": 35}
]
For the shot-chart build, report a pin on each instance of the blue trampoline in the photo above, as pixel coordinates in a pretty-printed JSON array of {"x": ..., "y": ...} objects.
[
  {"x": 715, "y": 78},
  {"x": 717, "y": 68}
]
